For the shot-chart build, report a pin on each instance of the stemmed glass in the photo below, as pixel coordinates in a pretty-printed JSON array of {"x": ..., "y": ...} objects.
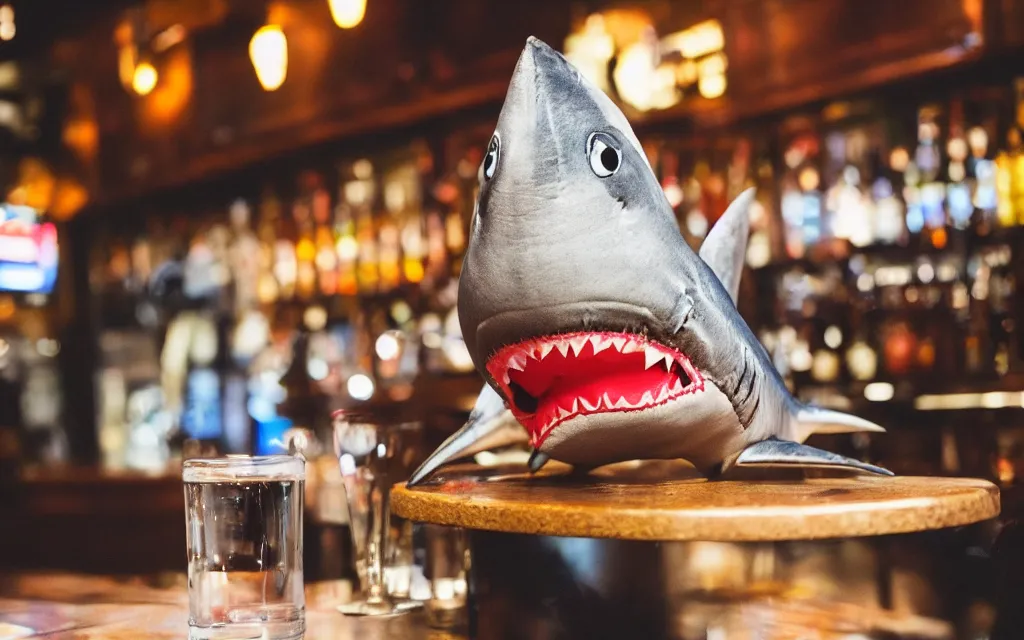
[{"x": 373, "y": 454}]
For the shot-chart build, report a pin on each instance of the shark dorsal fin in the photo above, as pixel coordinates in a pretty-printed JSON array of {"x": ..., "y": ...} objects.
[{"x": 726, "y": 245}]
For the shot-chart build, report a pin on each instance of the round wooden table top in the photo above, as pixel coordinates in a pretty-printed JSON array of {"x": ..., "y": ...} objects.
[{"x": 650, "y": 503}]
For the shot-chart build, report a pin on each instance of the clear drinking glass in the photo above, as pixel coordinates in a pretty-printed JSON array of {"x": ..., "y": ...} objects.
[
  {"x": 446, "y": 565},
  {"x": 373, "y": 455},
  {"x": 244, "y": 533}
]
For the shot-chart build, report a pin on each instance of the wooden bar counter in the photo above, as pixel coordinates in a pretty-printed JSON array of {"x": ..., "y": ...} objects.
[
  {"x": 648, "y": 550},
  {"x": 76, "y": 607}
]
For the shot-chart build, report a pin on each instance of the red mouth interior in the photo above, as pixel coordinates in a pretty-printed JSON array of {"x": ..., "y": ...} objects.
[{"x": 550, "y": 380}]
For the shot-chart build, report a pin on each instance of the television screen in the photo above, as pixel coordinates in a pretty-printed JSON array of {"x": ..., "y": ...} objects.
[{"x": 28, "y": 250}]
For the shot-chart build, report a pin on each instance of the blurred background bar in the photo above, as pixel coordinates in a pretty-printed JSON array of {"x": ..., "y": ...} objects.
[{"x": 223, "y": 219}]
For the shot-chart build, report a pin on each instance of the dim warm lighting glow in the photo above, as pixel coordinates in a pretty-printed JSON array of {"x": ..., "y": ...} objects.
[
  {"x": 48, "y": 347},
  {"x": 712, "y": 86},
  {"x": 809, "y": 179},
  {"x": 879, "y": 391},
  {"x": 800, "y": 358},
  {"x": 360, "y": 387},
  {"x": 175, "y": 34},
  {"x": 833, "y": 337},
  {"x": 7, "y": 28},
  {"x": 953, "y": 401},
  {"x": 862, "y": 361},
  {"x": 268, "y": 51},
  {"x": 347, "y": 13},
  {"x": 68, "y": 199},
  {"x": 674, "y": 194},
  {"x": 697, "y": 223},
  {"x": 318, "y": 369},
  {"x": 899, "y": 159},
  {"x": 144, "y": 79},
  {"x": 591, "y": 50},
  {"x": 348, "y": 248},
  {"x": 699, "y": 40},
  {"x": 640, "y": 83},
  {"x": 315, "y": 318},
  {"x": 387, "y": 346},
  {"x": 171, "y": 95}
]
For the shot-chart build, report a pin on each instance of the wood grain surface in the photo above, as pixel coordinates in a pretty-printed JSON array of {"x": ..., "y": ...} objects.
[
  {"x": 80, "y": 607},
  {"x": 634, "y": 507}
]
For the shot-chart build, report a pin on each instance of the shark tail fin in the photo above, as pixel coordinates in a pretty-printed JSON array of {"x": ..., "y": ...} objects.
[{"x": 808, "y": 420}]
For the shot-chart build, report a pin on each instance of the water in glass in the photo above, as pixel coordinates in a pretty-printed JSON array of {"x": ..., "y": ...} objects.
[{"x": 244, "y": 533}]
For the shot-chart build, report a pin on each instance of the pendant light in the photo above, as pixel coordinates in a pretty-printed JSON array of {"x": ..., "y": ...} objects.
[
  {"x": 347, "y": 13},
  {"x": 268, "y": 51}
]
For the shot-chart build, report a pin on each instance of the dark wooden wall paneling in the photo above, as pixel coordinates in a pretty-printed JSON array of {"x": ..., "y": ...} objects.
[{"x": 415, "y": 59}]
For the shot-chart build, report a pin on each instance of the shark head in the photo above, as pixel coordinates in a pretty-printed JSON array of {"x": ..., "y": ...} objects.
[
  {"x": 577, "y": 296},
  {"x": 606, "y": 336}
]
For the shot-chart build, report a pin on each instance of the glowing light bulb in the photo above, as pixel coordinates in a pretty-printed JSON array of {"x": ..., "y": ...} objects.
[
  {"x": 7, "y": 28},
  {"x": 268, "y": 51},
  {"x": 144, "y": 79},
  {"x": 347, "y": 13}
]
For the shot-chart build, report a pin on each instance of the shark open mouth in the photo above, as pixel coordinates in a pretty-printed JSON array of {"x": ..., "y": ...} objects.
[{"x": 555, "y": 378}]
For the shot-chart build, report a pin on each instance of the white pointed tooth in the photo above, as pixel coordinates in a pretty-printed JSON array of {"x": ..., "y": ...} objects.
[
  {"x": 505, "y": 378},
  {"x": 590, "y": 407},
  {"x": 677, "y": 386},
  {"x": 669, "y": 360},
  {"x": 647, "y": 398},
  {"x": 563, "y": 347},
  {"x": 562, "y": 413},
  {"x": 618, "y": 342},
  {"x": 577, "y": 343},
  {"x": 652, "y": 357},
  {"x": 575, "y": 405},
  {"x": 517, "y": 362},
  {"x": 600, "y": 343},
  {"x": 623, "y": 403},
  {"x": 631, "y": 347},
  {"x": 662, "y": 393},
  {"x": 606, "y": 402},
  {"x": 544, "y": 349}
]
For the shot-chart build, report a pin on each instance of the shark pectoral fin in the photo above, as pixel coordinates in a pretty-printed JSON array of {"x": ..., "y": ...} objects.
[
  {"x": 725, "y": 246},
  {"x": 490, "y": 425},
  {"x": 808, "y": 420},
  {"x": 783, "y": 453},
  {"x": 537, "y": 460}
]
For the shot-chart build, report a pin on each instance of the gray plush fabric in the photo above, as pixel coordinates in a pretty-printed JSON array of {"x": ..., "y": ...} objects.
[{"x": 573, "y": 233}]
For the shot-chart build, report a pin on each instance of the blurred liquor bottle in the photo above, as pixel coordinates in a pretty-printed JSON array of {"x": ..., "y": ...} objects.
[
  {"x": 285, "y": 235},
  {"x": 267, "y": 288},
  {"x": 1010, "y": 166},
  {"x": 959, "y": 203},
  {"x": 368, "y": 266},
  {"x": 305, "y": 242},
  {"x": 350, "y": 195},
  {"x": 326, "y": 256},
  {"x": 801, "y": 197},
  {"x": 931, "y": 190},
  {"x": 1017, "y": 153}
]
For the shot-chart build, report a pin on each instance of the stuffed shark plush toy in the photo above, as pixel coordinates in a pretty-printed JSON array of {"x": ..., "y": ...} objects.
[{"x": 595, "y": 326}]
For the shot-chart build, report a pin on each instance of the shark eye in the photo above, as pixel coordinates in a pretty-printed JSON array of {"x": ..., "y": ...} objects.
[
  {"x": 604, "y": 157},
  {"x": 491, "y": 159}
]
